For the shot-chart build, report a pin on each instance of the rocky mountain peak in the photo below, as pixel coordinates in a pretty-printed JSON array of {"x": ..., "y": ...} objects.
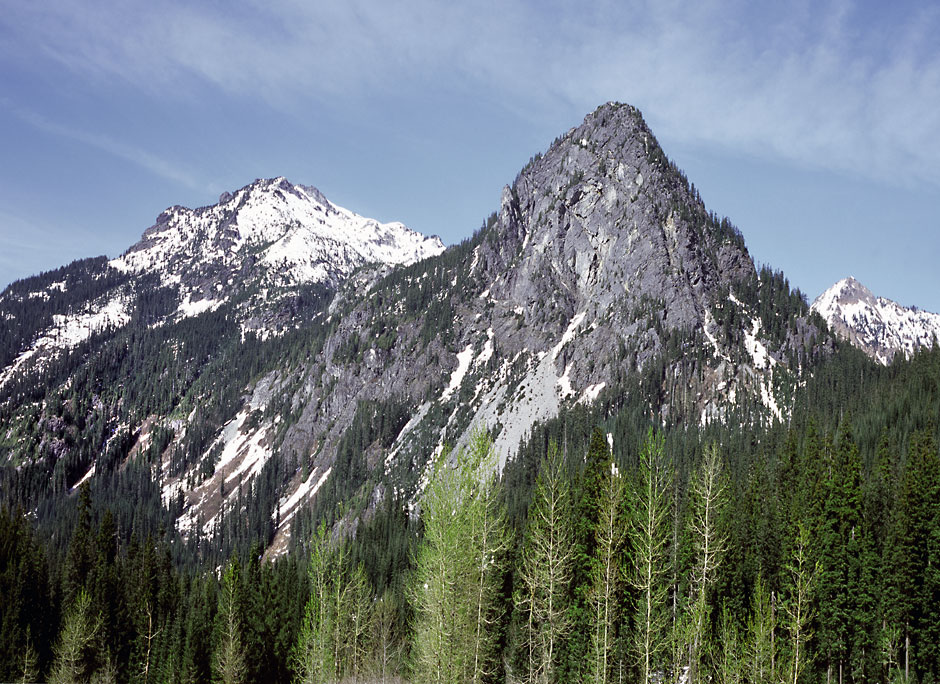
[
  {"x": 878, "y": 326},
  {"x": 271, "y": 230},
  {"x": 603, "y": 217}
]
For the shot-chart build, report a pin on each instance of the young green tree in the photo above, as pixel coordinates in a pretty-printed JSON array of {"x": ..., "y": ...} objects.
[
  {"x": 387, "y": 642},
  {"x": 801, "y": 576},
  {"x": 75, "y": 656},
  {"x": 29, "y": 665},
  {"x": 649, "y": 536},
  {"x": 709, "y": 497},
  {"x": 228, "y": 663},
  {"x": 761, "y": 647},
  {"x": 357, "y": 614},
  {"x": 607, "y": 574},
  {"x": 458, "y": 567},
  {"x": 311, "y": 658},
  {"x": 546, "y": 568},
  {"x": 730, "y": 665}
]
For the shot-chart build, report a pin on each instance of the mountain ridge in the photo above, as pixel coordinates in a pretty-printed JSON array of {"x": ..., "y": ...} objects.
[
  {"x": 880, "y": 327},
  {"x": 602, "y": 280}
]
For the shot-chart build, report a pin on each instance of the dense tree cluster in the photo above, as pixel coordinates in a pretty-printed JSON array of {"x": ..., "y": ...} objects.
[{"x": 796, "y": 553}]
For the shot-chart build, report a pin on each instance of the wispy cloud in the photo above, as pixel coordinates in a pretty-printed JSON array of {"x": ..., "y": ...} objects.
[
  {"x": 28, "y": 246},
  {"x": 130, "y": 153},
  {"x": 833, "y": 85}
]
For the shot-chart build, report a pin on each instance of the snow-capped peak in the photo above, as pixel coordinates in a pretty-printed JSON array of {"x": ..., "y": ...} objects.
[
  {"x": 290, "y": 233},
  {"x": 878, "y": 326}
]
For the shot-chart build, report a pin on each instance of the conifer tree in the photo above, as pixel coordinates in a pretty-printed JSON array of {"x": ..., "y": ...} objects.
[
  {"x": 387, "y": 643},
  {"x": 359, "y": 619},
  {"x": 457, "y": 567},
  {"x": 709, "y": 496},
  {"x": 29, "y": 666},
  {"x": 801, "y": 576},
  {"x": 607, "y": 574},
  {"x": 648, "y": 541},
  {"x": 761, "y": 650},
  {"x": 730, "y": 663},
  {"x": 229, "y": 655},
  {"x": 311, "y": 658},
  {"x": 546, "y": 569},
  {"x": 586, "y": 520},
  {"x": 75, "y": 656}
]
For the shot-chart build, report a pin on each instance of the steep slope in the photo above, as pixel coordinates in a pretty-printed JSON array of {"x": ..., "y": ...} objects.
[
  {"x": 106, "y": 364},
  {"x": 256, "y": 248},
  {"x": 602, "y": 280},
  {"x": 880, "y": 327}
]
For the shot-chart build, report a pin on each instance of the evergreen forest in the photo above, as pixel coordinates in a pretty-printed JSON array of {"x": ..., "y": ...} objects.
[{"x": 609, "y": 549}]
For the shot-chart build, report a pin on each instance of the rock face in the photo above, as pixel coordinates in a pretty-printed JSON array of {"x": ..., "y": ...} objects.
[
  {"x": 601, "y": 279},
  {"x": 880, "y": 327},
  {"x": 601, "y": 265}
]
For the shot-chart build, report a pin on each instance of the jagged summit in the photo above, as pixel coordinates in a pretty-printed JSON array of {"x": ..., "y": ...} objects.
[
  {"x": 878, "y": 326},
  {"x": 273, "y": 229},
  {"x": 603, "y": 217}
]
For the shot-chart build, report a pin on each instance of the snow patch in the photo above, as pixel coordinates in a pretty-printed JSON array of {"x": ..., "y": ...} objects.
[
  {"x": 769, "y": 401},
  {"x": 87, "y": 476},
  {"x": 758, "y": 352},
  {"x": 487, "y": 352},
  {"x": 68, "y": 331},
  {"x": 564, "y": 383},
  {"x": 190, "y": 309},
  {"x": 463, "y": 365},
  {"x": 568, "y": 334},
  {"x": 291, "y": 505},
  {"x": 591, "y": 393}
]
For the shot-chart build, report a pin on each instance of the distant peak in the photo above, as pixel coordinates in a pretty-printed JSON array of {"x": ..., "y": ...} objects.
[
  {"x": 878, "y": 326},
  {"x": 844, "y": 291}
]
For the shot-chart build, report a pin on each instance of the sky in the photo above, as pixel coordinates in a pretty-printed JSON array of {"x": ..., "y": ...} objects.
[{"x": 813, "y": 125}]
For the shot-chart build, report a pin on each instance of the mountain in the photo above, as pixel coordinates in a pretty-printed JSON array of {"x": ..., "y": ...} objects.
[
  {"x": 257, "y": 246},
  {"x": 274, "y": 351},
  {"x": 880, "y": 327},
  {"x": 277, "y": 233}
]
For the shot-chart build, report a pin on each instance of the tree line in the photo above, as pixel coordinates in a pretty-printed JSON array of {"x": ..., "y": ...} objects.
[{"x": 810, "y": 566}]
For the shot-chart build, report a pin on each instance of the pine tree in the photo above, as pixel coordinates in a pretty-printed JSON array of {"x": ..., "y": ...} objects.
[
  {"x": 709, "y": 496},
  {"x": 607, "y": 574},
  {"x": 387, "y": 642},
  {"x": 457, "y": 567},
  {"x": 29, "y": 666},
  {"x": 762, "y": 657},
  {"x": 801, "y": 575},
  {"x": 730, "y": 666},
  {"x": 311, "y": 657},
  {"x": 586, "y": 520},
  {"x": 359, "y": 619}
]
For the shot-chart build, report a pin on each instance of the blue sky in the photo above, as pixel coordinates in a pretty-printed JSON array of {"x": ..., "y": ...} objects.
[{"x": 815, "y": 126}]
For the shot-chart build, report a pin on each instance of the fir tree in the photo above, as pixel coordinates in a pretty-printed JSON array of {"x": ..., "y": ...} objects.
[{"x": 229, "y": 654}]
